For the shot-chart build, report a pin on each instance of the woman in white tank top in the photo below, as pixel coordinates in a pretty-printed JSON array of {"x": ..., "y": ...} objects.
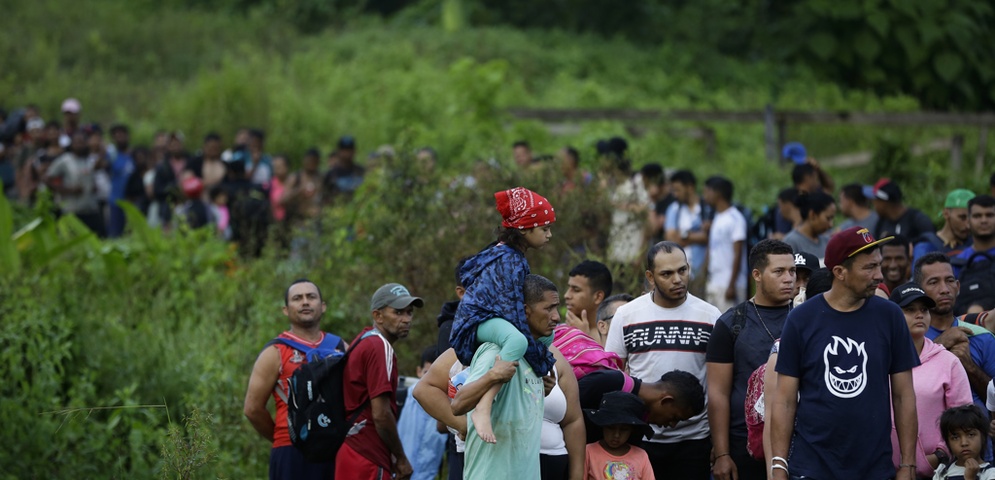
[{"x": 561, "y": 451}]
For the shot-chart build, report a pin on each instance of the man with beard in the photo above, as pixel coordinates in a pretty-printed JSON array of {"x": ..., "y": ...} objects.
[
  {"x": 372, "y": 449},
  {"x": 72, "y": 180},
  {"x": 981, "y": 222},
  {"x": 741, "y": 342},
  {"x": 271, "y": 374},
  {"x": 955, "y": 234},
  {"x": 844, "y": 358},
  {"x": 895, "y": 262},
  {"x": 663, "y": 330},
  {"x": 973, "y": 345}
]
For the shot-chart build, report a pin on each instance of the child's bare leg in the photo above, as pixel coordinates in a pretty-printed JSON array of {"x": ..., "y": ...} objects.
[
  {"x": 482, "y": 415},
  {"x": 513, "y": 345}
]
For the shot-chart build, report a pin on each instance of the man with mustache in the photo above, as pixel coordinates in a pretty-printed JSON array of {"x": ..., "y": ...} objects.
[
  {"x": 373, "y": 450},
  {"x": 663, "y": 330},
  {"x": 271, "y": 374},
  {"x": 973, "y": 345},
  {"x": 845, "y": 357}
]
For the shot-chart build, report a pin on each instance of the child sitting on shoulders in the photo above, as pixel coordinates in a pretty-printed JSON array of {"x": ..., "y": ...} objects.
[
  {"x": 965, "y": 429},
  {"x": 493, "y": 307},
  {"x": 613, "y": 457}
]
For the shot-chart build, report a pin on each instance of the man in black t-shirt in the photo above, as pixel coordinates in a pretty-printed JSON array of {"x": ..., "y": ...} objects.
[
  {"x": 676, "y": 397},
  {"x": 844, "y": 365},
  {"x": 741, "y": 342},
  {"x": 655, "y": 183},
  {"x": 895, "y": 217},
  {"x": 344, "y": 178}
]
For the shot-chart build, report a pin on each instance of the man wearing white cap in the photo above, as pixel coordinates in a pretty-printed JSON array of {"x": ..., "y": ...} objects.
[{"x": 70, "y": 121}]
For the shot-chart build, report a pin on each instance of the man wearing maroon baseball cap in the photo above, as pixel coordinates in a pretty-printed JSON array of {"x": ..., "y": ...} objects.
[{"x": 845, "y": 360}]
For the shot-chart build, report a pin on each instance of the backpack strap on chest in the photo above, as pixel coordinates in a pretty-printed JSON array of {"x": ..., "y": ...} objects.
[{"x": 738, "y": 321}]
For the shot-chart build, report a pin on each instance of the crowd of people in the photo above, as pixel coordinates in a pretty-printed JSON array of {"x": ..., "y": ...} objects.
[
  {"x": 240, "y": 190},
  {"x": 865, "y": 351},
  {"x": 840, "y": 366}
]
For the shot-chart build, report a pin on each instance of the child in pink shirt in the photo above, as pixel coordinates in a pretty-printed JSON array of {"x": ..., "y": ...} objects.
[{"x": 613, "y": 458}]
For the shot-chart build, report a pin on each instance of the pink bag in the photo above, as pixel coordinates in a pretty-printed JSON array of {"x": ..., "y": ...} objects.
[{"x": 584, "y": 354}]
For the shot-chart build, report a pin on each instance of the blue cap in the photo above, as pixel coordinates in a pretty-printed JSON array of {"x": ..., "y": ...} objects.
[
  {"x": 795, "y": 152},
  {"x": 868, "y": 191}
]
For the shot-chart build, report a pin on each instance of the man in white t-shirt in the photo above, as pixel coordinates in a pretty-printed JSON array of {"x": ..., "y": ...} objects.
[
  {"x": 668, "y": 329},
  {"x": 687, "y": 224},
  {"x": 726, "y": 285}
]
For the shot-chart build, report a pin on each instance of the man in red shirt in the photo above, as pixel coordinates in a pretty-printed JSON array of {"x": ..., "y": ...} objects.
[
  {"x": 270, "y": 376},
  {"x": 372, "y": 450}
]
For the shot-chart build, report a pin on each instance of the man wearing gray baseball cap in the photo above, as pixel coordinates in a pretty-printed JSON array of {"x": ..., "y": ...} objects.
[{"x": 369, "y": 384}]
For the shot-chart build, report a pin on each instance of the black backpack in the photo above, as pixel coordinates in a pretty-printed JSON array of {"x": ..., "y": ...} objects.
[
  {"x": 316, "y": 413},
  {"x": 977, "y": 282}
]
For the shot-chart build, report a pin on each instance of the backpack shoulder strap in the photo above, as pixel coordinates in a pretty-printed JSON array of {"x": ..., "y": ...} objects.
[
  {"x": 965, "y": 264},
  {"x": 738, "y": 321},
  {"x": 331, "y": 341},
  {"x": 971, "y": 318},
  {"x": 290, "y": 343}
]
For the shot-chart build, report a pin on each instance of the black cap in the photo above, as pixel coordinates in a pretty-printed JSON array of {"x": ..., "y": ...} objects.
[
  {"x": 888, "y": 191},
  {"x": 910, "y": 292},
  {"x": 620, "y": 408},
  {"x": 346, "y": 141},
  {"x": 806, "y": 261}
]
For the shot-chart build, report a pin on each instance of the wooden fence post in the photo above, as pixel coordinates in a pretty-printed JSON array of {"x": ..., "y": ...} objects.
[
  {"x": 772, "y": 151},
  {"x": 956, "y": 152},
  {"x": 979, "y": 159}
]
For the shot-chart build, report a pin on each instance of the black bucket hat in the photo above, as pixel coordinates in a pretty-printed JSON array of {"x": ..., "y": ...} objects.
[{"x": 620, "y": 408}]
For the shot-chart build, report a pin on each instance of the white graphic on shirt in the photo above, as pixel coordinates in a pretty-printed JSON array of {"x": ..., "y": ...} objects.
[
  {"x": 616, "y": 470},
  {"x": 845, "y": 369}
]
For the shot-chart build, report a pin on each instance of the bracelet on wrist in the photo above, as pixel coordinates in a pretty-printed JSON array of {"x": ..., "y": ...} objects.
[
  {"x": 909, "y": 465},
  {"x": 721, "y": 455},
  {"x": 776, "y": 467},
  {"x": 779, "y": 459}
]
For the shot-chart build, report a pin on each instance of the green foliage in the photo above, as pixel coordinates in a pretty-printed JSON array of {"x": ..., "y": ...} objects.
[
  {"x": 184, "y": 454},
  {"x": 937, "y": 51}
]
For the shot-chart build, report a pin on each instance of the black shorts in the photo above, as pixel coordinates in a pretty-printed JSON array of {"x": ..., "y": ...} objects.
[{"x": 287, "y": 463}]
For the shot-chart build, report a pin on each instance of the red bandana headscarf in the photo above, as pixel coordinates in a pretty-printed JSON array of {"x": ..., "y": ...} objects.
[{"x": 522, "y": 208}]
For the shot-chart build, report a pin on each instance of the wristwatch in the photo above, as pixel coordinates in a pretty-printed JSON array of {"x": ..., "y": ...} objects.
[{"x": 685, "y": 235}]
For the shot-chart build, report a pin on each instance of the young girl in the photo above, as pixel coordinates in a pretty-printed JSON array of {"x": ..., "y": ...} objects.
[
  {"x": 965, "y": 430},
  {"x": 612, "y": 457},
  {"x": 493, "y": 307}
]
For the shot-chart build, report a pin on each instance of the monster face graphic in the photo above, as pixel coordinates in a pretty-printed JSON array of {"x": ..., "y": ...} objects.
[{"x": 846, "y": 367}]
